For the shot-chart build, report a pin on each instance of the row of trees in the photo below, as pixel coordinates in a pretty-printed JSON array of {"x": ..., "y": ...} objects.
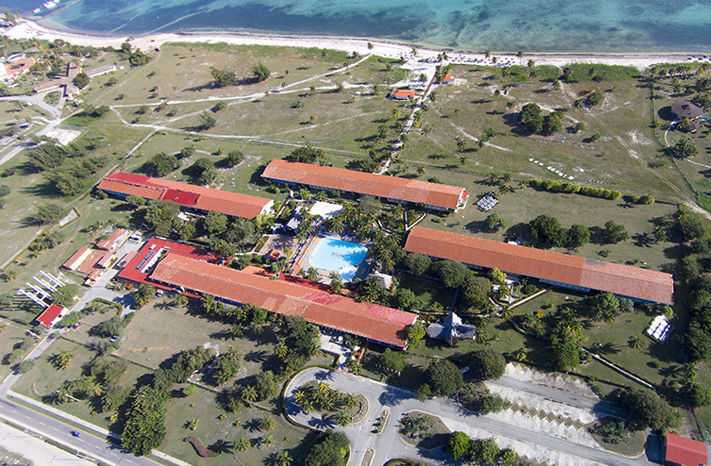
[
  {"x": 547, "y": 230},
  {"x": 226, "y": 77},
  {"x": 461, "y": 447},
  {"x": 572, "y": 188}
]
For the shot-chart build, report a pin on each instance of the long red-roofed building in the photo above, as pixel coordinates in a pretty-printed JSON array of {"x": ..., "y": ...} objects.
[
  {"x": 390, "y": 188},
  {"x": 550, "y": 267},
  {"x": 684, "y": 451},
  {"x": 374, "y": 322},
  {"x": 122, "y": 185}
]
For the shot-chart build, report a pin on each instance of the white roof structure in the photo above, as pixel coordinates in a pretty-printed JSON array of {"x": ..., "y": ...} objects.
[
  {"x": 326, "y": 209},
  {"x": 660, "y": 329},
  {"x": 487, "y": 202}
]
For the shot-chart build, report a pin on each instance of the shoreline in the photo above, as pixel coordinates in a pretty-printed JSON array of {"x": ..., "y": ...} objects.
[{"x": 29, "y": 29}]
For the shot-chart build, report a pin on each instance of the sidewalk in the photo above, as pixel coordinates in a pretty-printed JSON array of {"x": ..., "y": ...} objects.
[{"x": 34, "y": 449}]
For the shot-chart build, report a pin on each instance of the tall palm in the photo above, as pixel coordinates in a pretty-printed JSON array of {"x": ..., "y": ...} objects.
[
  {"x": 242, "y": 444},
  {"x": 283, "y": 459},
  {"x": 634, "y": 342},
  {"x": 350, "y": 401},
  {"x": 520, "y": 354},
  {"x": 281, "y": 350},
  {"x": 266, "y": 441},
  {"x": 249, "y": 394},
  {"x": 343, "y": 418},
  {"x": 300, "y": 397}
]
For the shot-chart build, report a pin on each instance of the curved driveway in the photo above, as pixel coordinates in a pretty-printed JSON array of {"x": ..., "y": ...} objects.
[{"x": 388, "y": 444}]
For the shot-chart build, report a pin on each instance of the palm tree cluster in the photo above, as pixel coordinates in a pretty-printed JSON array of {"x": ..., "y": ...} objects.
[{"x": 321, "y": 397}]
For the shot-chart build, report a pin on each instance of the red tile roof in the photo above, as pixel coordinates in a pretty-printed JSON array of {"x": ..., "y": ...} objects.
[
  {"x": 48, "y": 316},
  {"x": 132, "y": 272},
  {"x": 402, "y": 93},
  {"x": 226, "y": 202},
  {"x": 685, "y": 451},
  {"x": 623, "y": 280},
  {"x": 434, "y": 194},
  {"x": 367, "y": 320},
  {"x": 116, "y": 236},
  {"x": 89, "y": 264},
  {"x": 448, "y": 78}
]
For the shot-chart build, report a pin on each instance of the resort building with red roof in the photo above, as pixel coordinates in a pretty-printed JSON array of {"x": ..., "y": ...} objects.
[
  {"x": 434, "y": 196},
  {"x": 554, "y": 268},
  {"x": 401, "y": 94},
  {"x": 684, "y": 451},
  {"x": 189, "y": 196},
  {"x": 371, "y": 321}
]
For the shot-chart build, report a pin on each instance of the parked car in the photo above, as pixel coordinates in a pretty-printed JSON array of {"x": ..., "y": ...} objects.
[{"x": 76, "y": 325}]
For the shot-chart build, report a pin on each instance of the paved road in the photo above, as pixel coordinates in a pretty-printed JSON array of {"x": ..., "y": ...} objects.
[
  {"x": 389, "y": 444},
  {"x": 35, "y": 450},
  {"x": 90, "y": 445}
]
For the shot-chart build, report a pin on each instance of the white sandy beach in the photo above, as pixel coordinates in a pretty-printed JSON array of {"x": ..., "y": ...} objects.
[{"x": 27, "y": 29}]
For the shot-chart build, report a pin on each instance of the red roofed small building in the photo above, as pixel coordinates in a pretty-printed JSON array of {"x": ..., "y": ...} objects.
[
  {"x": 51, "y": 315},
  {"x": 434, "y": 196},
  {"x": 18, "y": 68},
  {"x": 377, "y": 323},
  {"x": 550, "y": 267},
  {"x": 115, "y": 240},
  {"x": 447, "y": 79},
  {"x": 77, "y": 258},
  {"x": 194, "y": 197},
  {"x": 401, "y": 94},
  {"x": 684, "y": 451}
]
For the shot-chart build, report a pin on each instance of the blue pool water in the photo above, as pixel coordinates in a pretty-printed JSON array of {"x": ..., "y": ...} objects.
[{"x": 343, "y": 257}]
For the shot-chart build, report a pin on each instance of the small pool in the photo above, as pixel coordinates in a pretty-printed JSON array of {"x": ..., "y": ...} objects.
[{"x": 340, "y": 256}]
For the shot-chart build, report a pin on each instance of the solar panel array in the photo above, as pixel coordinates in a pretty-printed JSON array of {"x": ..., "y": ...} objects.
[{"x": 487, "y": 202}]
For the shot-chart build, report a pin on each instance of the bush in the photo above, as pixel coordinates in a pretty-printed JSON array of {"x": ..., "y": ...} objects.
[
  {"x": 444, "y": 377},
  {"x": 486, "y": 364}
]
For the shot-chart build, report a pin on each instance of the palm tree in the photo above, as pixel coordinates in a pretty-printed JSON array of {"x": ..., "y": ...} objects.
[
  {"x": 343, "y": 418},
  {"x": 249, "y": 394},
  {"x": 283, "y": 459},
  {"x": 267, "y": 423},
  {"x": 242, "y": 444},
  {"x": 507, "y": 313},
  {"x": 281, "y": 350},
  {"x": 62, "y": 359},
  {"x": 634, "y": 342},
  {"x": 300, "y": 397},
  {"x": 520, "y": 354},
  {"x": 266, "y": 441},
  {"x": 180, "y": 300},
  {"x": 323, "y": 387},
  {"x": 350, "y": 401}
]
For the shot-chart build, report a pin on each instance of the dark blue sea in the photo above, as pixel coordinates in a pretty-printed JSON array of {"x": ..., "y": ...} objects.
[{"x": 500, "y": 25}]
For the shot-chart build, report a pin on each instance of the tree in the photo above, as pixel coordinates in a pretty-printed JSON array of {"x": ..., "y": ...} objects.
[
  {"x": 62, "y": 360},
  {"x": 443, "y": 377},
  {"x": 497, "y": 276},
  {"x": 48, "y": 213},
  {"x": 458, "y": 445},
  {"x": 393, "y": 361},
  {"x": 242, "y": 444},
  {"x": 531, "y": 118},
  {"x": 697, "y": 395},
  {"x": 475, "y": 292},
  {"x": 577, "y": 236},
  {"x": 203, "y": 171},
  {"x": 649, "y": 410},
  {"x": 249, "y": 394},
  {"x": 207, "y": 121},
  {"x": 161, "y": 164},
  {"x": 81, "y": 80},
  {"x": 223, "y": 78},
  {"x": 614, "y": 233},
  {"x": 565, "y": 354},
  {"x": 306, "y": 154},
  {"x": 603, "y": 307},
  {"x": 266, "y": 385},
  {"x": 415, "y": 333},
  {"x": 235, "y": 157},
  {"x": 547, "y": 230},
  {"x": 452, "y": 273},
  {"x": 108, "y": 328},
  {"x": 143, "y": 295},
  {"x": 145, "y": 425},
  {"x": 594, "y": 98},
  {"x": 64, "y": 295},
  {"x": 494, "y": 222},
  {"x": 336, "y": 282},
  {"x": 226, "y": 367},
  {"x": 552, "y": 123},
  {"x": 686, "y": 147},
  {"x": 260, "y": 71},
  {"x": 135, "y": 201},
  {"x": 331, "y": 450},
  {"x": 215, "y": 222},
  {"x": 486, "y": 364},
  {"x": 343, "y": 418}
]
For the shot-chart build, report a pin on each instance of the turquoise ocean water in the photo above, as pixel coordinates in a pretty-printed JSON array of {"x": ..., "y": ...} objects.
[{"x": 501, "y": 25}]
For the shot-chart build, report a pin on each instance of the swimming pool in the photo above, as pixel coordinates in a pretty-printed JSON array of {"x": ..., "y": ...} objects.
[{"x": 340, "y": 256}]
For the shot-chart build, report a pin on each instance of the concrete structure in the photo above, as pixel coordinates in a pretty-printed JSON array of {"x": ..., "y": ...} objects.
[
  {"x": 433, "y": 196},
  {"x": 196, "y": 198},
  {"x": 554, "y": 268}
]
